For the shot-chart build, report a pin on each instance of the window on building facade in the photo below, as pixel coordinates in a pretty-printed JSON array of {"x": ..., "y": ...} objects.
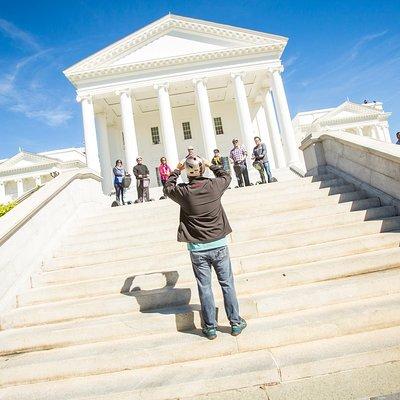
[
  {"x": 187, "y": 133},
  {"x": 155, "y": 135},
  {"x": 218, "y": 126}
]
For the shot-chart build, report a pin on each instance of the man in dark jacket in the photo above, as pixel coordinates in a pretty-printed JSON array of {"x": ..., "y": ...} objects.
[
  {"x": 204, "y": 226},
  {"x": 142, "y": 173}
]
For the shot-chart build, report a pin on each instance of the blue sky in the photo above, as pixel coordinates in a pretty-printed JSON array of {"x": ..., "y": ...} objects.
[{"x": 336, "y": 49}]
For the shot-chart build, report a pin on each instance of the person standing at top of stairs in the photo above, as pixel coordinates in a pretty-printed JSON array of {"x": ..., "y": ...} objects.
[
  {"x": 204, "y": 226},
  {"x": 142, "y": 173}
]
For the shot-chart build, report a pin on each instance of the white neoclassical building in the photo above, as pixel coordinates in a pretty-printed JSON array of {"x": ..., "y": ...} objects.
[
  {"x": 25, "y": 170},
  {"x": 178, "y": 82},
  {"x": 367, "y": 119}
]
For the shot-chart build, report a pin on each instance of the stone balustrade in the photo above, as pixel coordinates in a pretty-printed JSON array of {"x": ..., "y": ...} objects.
[
  {"x": 28, "y": 231},
  {"x": 371, "y": 165}
]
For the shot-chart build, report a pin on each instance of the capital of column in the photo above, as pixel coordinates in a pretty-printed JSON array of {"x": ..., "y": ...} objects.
[
  {"x": 87, "y": 97},
  {"x": 234, "y": 75},
  {"x": 159, "y": 86},
  {"x": 279, "y": 69},
  {"x": 202, "y": 80},
  {"x": 126, "y": 91}
]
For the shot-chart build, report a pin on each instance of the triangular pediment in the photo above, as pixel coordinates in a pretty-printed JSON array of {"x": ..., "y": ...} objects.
[
  {"x": 347, "y": 110},
  {"x": 26, "y": 160},
  {"x": 171, "y": 37}
]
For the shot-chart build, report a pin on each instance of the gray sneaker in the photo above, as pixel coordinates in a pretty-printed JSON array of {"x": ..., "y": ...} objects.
[{"x": 238, "y": 328}]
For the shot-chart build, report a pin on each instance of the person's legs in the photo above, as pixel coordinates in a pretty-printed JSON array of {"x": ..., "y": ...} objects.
[
  {"x": 238, "y": 172},
  {"x": 202, "y": 270},
  {"x": 223, "y": 268},
  {"x": 262, "y": 176},
  {"x": 245, "y": 173},
  {"x": 117, "y": 188},
  {"x": 139, "y": 187},
  {"x": 268, "y": 171},
  {"x": 121, "y": 188}
]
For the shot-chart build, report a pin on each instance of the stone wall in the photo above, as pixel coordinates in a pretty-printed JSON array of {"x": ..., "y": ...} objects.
[
  {"x": 29, "y": 231},
  {"x": 371, "y": 165}
]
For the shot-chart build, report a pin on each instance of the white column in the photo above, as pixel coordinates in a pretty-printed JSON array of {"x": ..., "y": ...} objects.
[
  {"x": 285, "y": 121},
  {"x": 206, "y": 122},
  {"x": 243, "y": 111},
  {"x": 385, "y": 133},
  {"x": 20, "y": 188},
  {"x": 38, "y": 180},
  {"x": 129, "y": 131},
  {"x": 2, "y": 192},
  {"x": 167, "y": 125},
  {"x": 104, "y": 151},
  {"x": 273, "y": 128},
  {"x": 89, "y": 128},
  {"x": 359, "y": 131},
  {"x": 265, "y": 136}
]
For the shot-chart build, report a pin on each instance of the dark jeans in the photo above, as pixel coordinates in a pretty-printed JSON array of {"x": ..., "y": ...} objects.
[
  {"x": 143, "y": 192},
  {"x": 241, "y": 174},
  {"x": 119, "y": 192},
  {"x": 202, "y": 261}
]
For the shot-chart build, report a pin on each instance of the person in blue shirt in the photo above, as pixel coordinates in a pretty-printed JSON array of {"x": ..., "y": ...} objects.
[{"x": 119, "y": 173}]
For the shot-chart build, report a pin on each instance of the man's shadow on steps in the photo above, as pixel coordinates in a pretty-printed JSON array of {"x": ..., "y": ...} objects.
[{"x": 164, "y": 299}]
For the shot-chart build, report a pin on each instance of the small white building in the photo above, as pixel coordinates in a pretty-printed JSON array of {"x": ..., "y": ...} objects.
[
  {"x": 27, "y": 170},
  {"x": 360, "y": 119},
  {"x": 178, "y": 82}
]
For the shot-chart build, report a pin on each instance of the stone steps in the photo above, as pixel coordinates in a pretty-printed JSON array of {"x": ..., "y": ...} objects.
[
  {"x": 310, "y": 324},
  {"x": 278, "y": 218},
  {"x": 225, "y": 372},
  {"x": 115, "y": 314},
  {"x": 296, "y": 187},
  {"x": 173, "y": 347},
  {"x": 246, "y": 282},
  {"x": 238, "y": 246},
  {"x": 252, "y": 263},
  {"x": 254, "y": 304},
  {"x": 147, "y": 222},
  {"x": 250, "y": 231}
]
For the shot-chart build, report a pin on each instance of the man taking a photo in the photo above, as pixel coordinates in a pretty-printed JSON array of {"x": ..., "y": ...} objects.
[{"x": 204, "y": 226}]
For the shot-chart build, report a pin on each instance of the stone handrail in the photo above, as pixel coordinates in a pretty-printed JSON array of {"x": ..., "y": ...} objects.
[
  {"x": 28, "y": 231},
  {"x": 372, "y": 165}
]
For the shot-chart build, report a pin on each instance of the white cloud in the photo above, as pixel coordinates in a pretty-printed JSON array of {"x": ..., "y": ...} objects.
[
  {"x": 25, "y": 38},
  {"x": 20, "y": 89}
]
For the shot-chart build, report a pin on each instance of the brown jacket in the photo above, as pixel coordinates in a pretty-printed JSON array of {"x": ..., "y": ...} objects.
[{"x": 202, "y": 217}]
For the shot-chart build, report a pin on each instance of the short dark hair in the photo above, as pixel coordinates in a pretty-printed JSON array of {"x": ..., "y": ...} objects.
[
  {"x": 257, "y": 137},
  {"x": 163, "y": 158},
  {"x": 216, "y": 150},
  {"x": 118, "y": 161},
  {"x": 398, "y": 134}
]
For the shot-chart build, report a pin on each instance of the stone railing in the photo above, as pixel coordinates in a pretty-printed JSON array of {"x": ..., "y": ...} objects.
[
  {"x": 369, "y": 164},
  {"x": 28, "y": 232}
]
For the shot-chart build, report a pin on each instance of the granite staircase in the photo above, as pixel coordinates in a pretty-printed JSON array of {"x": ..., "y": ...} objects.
[{"x": 114, "y": 314}]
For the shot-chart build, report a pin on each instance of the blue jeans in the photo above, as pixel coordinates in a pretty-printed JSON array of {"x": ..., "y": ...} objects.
[
  {"x": 268, "y": 171},
  {"x": 202, "y": 261}
]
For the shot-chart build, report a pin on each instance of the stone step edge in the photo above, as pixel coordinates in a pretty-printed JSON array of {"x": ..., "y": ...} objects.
[
  {"x": 179, "y": 252},
  {"x": 242, "y": 274},
  {"x": 217, "y": 297},
  {"x": 238, "y": 349},
  {"x": 233, "y": 242},
  {"x": 328, "y": 343},
  {"x": 186, "y": 309}
]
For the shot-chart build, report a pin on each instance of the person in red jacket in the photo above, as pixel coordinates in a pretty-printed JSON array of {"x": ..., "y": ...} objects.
[{"x": 165, "y": 170}]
